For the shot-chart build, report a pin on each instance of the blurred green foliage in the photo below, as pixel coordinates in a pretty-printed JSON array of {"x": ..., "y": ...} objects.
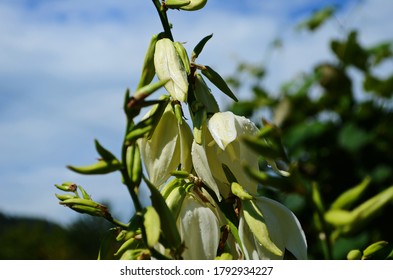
[
  {"x": 335, "y": 140},
  {"x": 24, "y": 238}
]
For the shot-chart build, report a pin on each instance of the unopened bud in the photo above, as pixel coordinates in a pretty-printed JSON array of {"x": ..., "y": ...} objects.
[
  {"x": 169, "y": 66},
  {"x": 194, "y": 5}
]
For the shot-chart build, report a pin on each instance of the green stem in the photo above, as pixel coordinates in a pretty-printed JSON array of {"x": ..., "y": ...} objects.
[
  {"x": 117, "y": 223},
  {"x": 164, "y": 18},
  {"x": 127, "y": 181}
]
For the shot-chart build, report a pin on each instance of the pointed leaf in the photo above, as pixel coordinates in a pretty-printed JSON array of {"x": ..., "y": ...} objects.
[
  {"x": 218, "y": 81},
  {"x": 104, "y": 153},
  {"x": 199, "y": 47}
]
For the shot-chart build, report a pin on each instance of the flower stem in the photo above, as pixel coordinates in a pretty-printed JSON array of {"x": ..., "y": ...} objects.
[
  {"x": 132, "y": 188},
  {"x": 161, "y": 10}
]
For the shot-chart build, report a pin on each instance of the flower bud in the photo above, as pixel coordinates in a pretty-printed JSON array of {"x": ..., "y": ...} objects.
[
  {"x": 100, "y": 167},
  {"x": 194, "y": 5},
  {"x": 168, "y": 147},
  {"x": 222, "y": 145},
  {"x": 199, "y": 226},
  {"x": 169, "y": 66}
]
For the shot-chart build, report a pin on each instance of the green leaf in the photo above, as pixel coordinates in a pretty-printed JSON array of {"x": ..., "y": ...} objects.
[
  {"x": 152, "y": 224},
  {"x": 381, "y": 52},
  {"x": 262, "y": 147},
  {"x": 351, "y": 52},
  {"x": 199, "y": 47},
  {"x": 148, "y": 70},
  {"x": 199, "y": 122},
  {"x": 204, "y": 95},
  {"x": 108, "y": 246},
  {"x": 353, "y": 138},
  {"x": 318, "y": 18},
  {"x": 218, "y": 81},
  {"x": 383, "y": 88},
  {"x": 257, "y": 224},
  {"x": 104, "y": 153}
]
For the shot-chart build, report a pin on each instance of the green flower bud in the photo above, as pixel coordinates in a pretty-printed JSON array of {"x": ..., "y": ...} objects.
[
  {"x": 347, "y": 198},
  {"x": 100, "y": 167},
  {"x": 194, "y": 5},
  {"x": 374, "y": 248},
  {"x": 63, "y": 197},
  {"x": 354, "y": 255},
  {"x": 176, "y": 4},
  {"x": 152, "y": 224},
  {"x": 67, "y": 187}
]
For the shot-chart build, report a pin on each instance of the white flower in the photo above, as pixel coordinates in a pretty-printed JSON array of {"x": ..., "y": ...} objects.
[
  {"x": 222, "y": 145},
  {"x": 199, "y": 227},
  {"x": 169, "y": 146},
  {"x": 284, "y": 231},
  {"x": 169, "y": 66}
]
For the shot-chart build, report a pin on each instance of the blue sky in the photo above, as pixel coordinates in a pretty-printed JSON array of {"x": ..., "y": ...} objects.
[{"x": 65, "y": 64}]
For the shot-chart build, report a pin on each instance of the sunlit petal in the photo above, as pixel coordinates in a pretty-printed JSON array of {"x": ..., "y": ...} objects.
[
  {"x": 200, "y": 230},
  {"x": 284, "y": 227}
]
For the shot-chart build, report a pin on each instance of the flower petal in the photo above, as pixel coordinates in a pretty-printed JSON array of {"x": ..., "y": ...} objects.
[
  {"x": 186, "y": 138},
  {"x": 200, "y": 230},
  {"x": 201, "y": 166},
  {"x": 284, "y": 228},
  {"x": 222, "y": 127},
  {"x": 168, "y": 66},
  {"x": 161, "y": 153}
]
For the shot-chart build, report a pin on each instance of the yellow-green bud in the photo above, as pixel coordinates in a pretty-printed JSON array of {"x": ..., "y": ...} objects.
[{"x": 194, "y": 5}]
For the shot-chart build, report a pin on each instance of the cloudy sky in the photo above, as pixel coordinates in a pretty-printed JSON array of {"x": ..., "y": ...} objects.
[{"x": 65, "y": 64}]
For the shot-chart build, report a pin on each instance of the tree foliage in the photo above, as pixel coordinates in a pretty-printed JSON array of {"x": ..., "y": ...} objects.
[{"x": 338, "y": 143}]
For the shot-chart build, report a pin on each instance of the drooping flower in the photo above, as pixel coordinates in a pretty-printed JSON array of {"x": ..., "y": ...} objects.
[
  {"x": 199, "y": 227},
  {"x": 169, "y": 66},
  {"x": 223, "y": 146},
  {"x": 168, "y": 147},
  {"x": 198, "y": 220},
  {"x": 284, "y": 230}
]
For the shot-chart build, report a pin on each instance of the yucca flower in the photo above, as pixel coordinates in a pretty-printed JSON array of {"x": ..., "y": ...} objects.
[
  {"x": 223, "y": 146},
  {"x": 169, "y": 66},
  {"x": 283, "y": 228},
  {"x": 168, "y": 147}
]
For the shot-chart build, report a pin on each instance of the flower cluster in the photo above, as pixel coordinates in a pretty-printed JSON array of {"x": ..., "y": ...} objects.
[
  {"x": 205, "y": 202},
  {"x": 215, "y": 203}
]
